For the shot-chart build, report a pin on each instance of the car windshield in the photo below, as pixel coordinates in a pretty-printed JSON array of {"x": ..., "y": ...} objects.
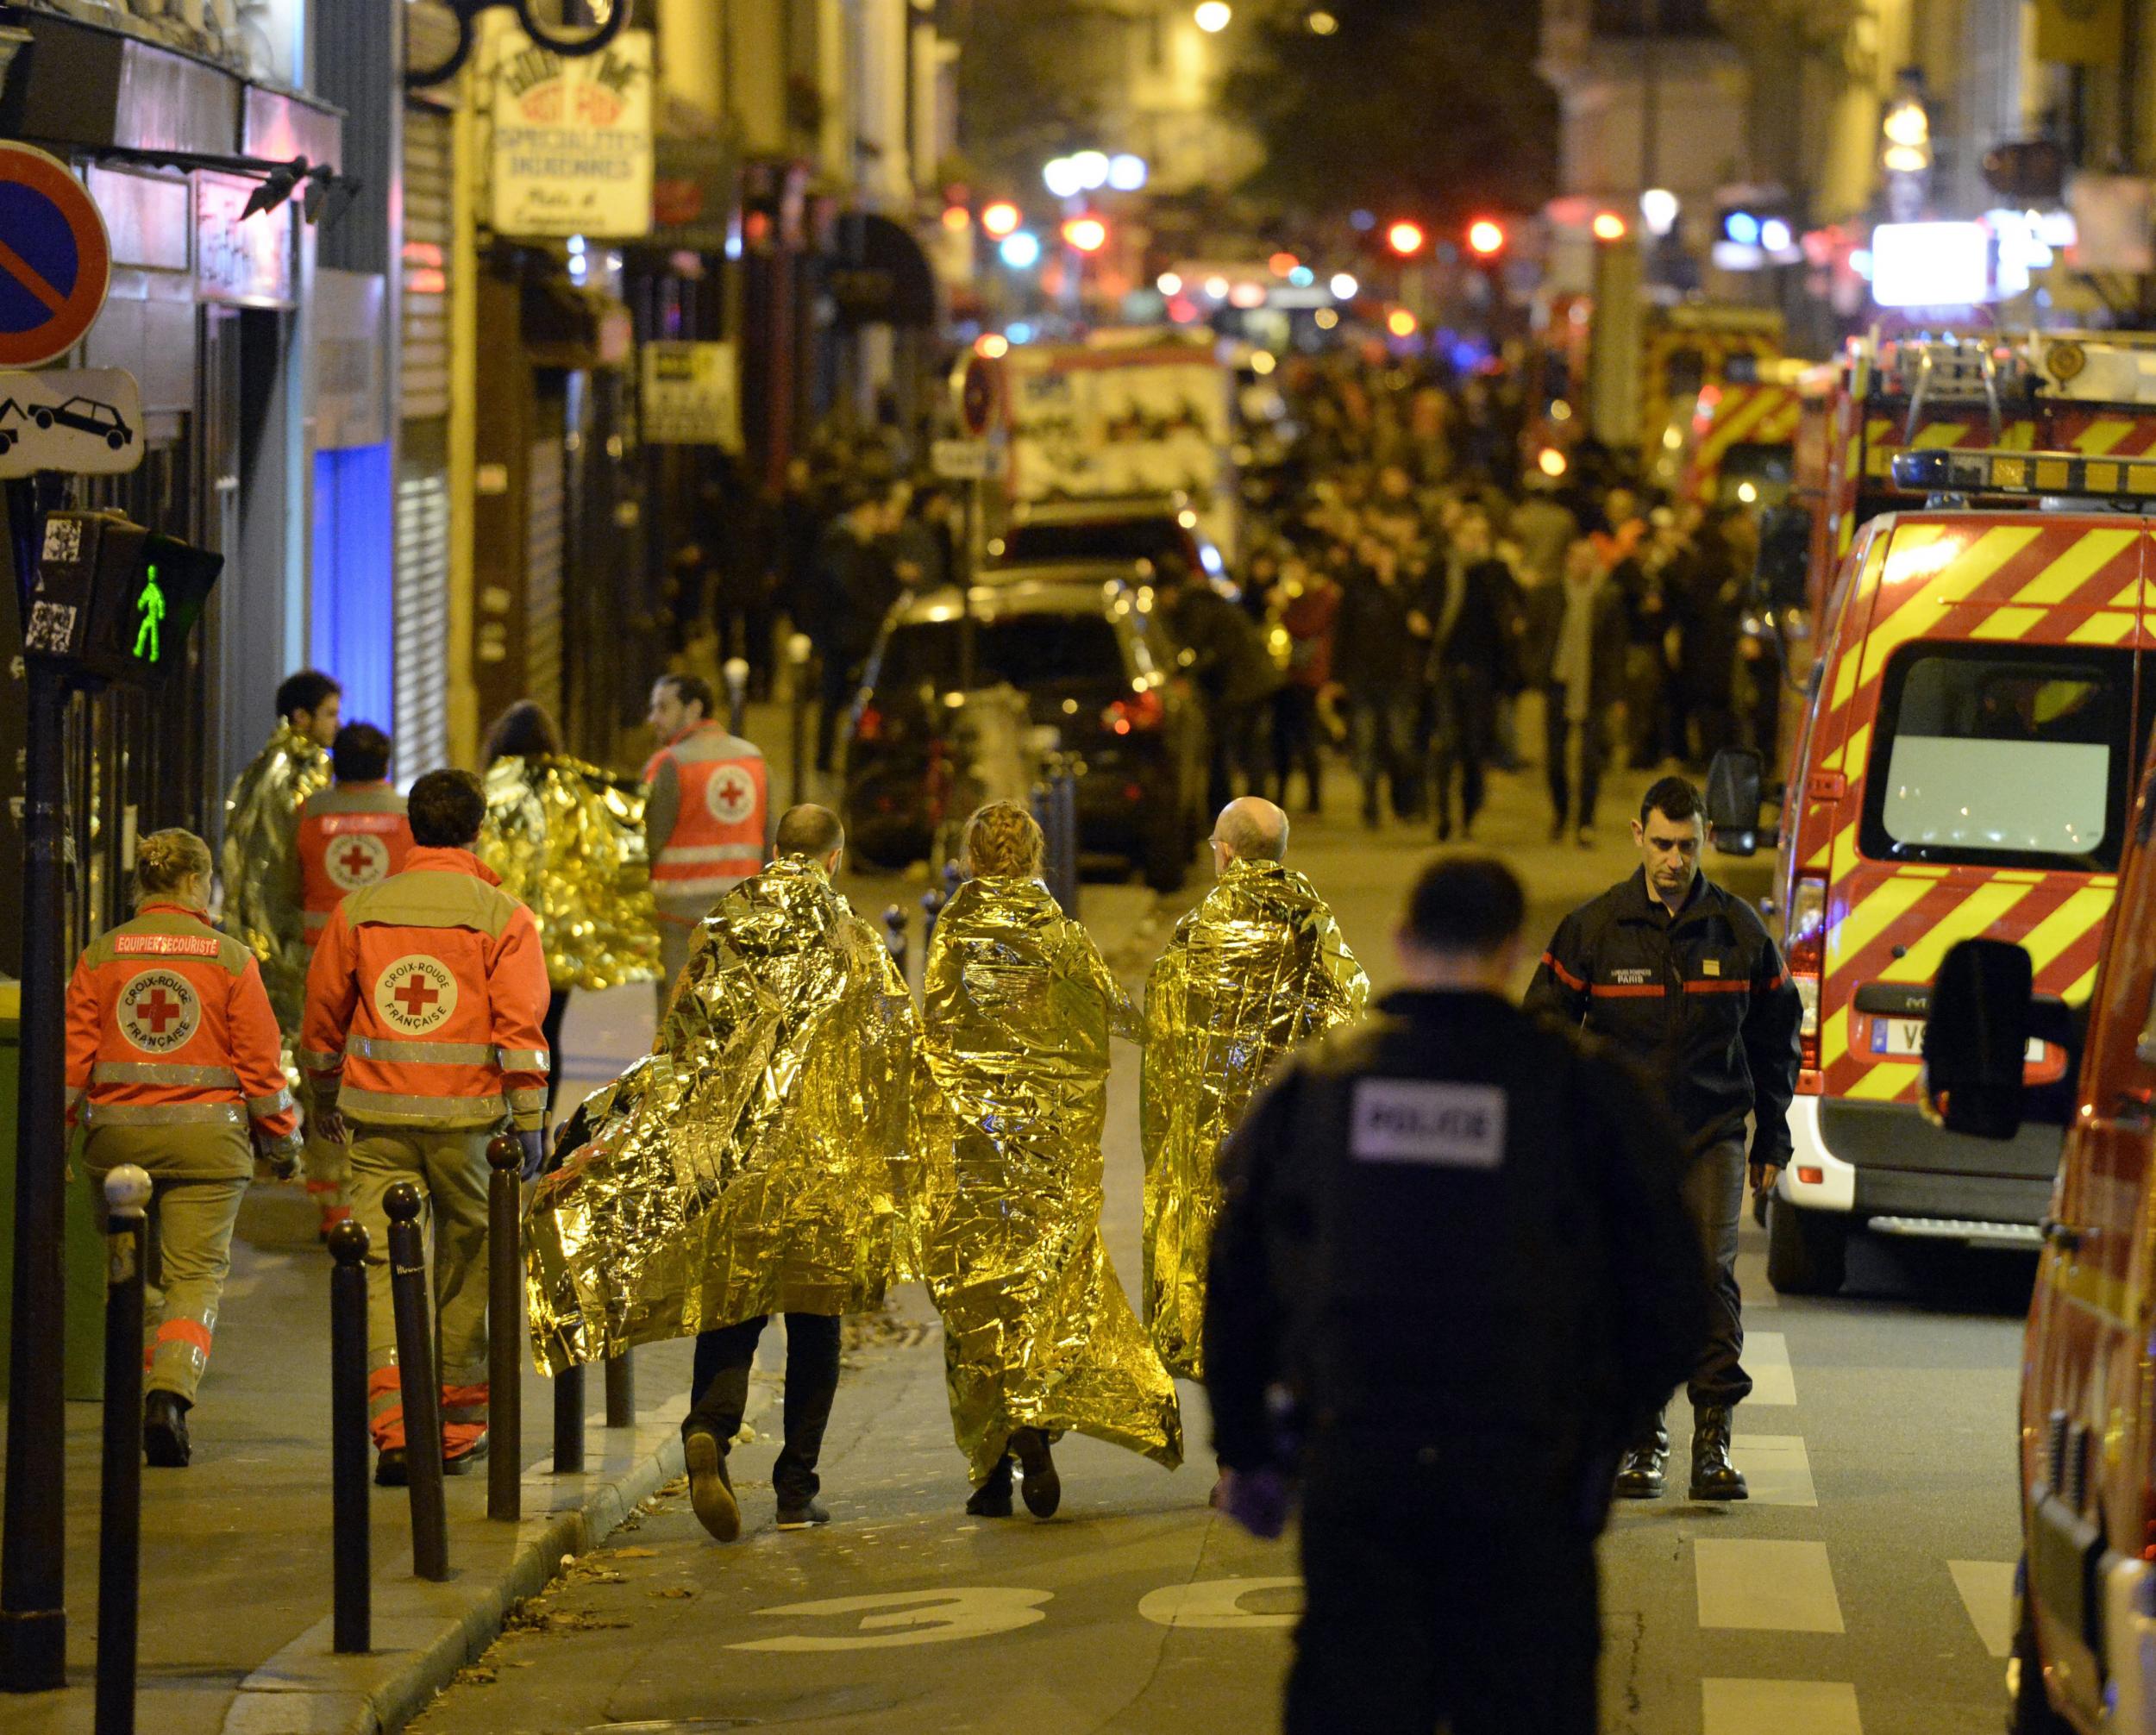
[
  {"x": 1033, "y": 651},
  {"x": 1100, "y": 539},
  {"x": 2009, "y": 755}
]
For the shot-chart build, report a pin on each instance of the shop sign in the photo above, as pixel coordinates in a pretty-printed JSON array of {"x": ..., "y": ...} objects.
[
  {"x": 247, "y": 260},
  {"x": 692, "y": 395},
  {"x": 572, "y": 149}
]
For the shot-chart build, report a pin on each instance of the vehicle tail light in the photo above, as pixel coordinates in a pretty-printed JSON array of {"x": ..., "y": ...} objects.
[
  {"x": 1142, "y": 712},
  {"x": 869, "y": 726},
  {"x": 1806, "y": 957},
  {"x": 1812, "y": 1177}
]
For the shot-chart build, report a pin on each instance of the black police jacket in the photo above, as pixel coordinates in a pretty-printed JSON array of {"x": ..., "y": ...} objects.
[
  {"x": 1455, "y": 1230},
  {"x": 1701, "y": 1000}
]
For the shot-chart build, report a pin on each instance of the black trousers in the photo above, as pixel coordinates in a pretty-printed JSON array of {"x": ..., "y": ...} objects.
[
  {"x": 1295, "y": 741},
  {"x": 1462, "y": 740},
  {"x": 557, "y": 1009},
  {"x": 1425, "y": 1607},
  {"x": 718, "y": 1392},
  {"x": 1594, "y": 743},
  {"x": 1715, "y": 1194}
]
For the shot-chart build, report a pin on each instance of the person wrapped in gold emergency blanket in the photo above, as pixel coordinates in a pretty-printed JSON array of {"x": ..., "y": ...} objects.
[
  {"x": 1037, "y": 1335},
  {"x": 567, "y": 840},
  {"x": 1255, "y": 969},
  {"x": 755, "y": 1161}
]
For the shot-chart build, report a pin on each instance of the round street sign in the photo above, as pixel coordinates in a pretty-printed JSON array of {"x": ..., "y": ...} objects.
[{"x": 55, "y": 262}]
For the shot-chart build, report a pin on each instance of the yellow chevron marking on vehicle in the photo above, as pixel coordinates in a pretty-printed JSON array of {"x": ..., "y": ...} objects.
[
  {"x": 1968, "y": 919},
  {"x": 2090, "y": 1287},
  {"x": 1868, "y": 582},
  {"x": 2105, "y": 628},
  {"x": 2128, "y": 597},
  {"x": 2007, "y": 624},
  {"x": 1935, "y": 435},
  {"x": 2068, "y": 923},
  {"x": 1855, "y": 748},
  {"x": 1976, "y": 564},
  {"x": 2101, "y": 436},
  {"x": 1740, "y": 419},
  {"x": 1842, "y": 856},
  {"x": 1871, "y": 914},
  {"x": 2020, "y": 436},
  {"x": 1886, "y": 1081},
  {"x": 1833, "y": 1038},
  {"x": 2089, "y": 555},
  {"x": 2082, "y": 988}
]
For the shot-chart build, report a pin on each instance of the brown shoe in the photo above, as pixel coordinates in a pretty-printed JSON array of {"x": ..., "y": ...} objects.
[{"x": 710, "y": 1491}]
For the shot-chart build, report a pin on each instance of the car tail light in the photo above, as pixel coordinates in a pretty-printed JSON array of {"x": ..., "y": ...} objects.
[
  {"x": 1142, "y": 711},
  {"x": 1807, "y": 954},
  {"x": 1812, "y": 1177},
  {"x": 869, "y": 726}
]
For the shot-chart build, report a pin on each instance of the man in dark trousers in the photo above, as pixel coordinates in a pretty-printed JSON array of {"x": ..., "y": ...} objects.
[
  {"x": 1451, "y": 1270},
  {"x": 1680, "y": 975}
]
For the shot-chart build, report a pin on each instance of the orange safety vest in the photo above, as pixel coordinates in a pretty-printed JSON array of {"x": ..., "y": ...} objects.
[
  {"x": 719, "y": 820},
  {"x": 168, "y": 1023},
  {"x": 427, "y": 999},
  {"x": 351, "y": 835}
]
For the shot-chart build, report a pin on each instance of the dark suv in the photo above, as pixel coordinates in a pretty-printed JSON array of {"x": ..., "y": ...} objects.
[{"x": 1084, "y": 646}]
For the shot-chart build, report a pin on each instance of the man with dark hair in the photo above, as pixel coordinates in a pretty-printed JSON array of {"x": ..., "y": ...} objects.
[
  {"x": 1681, "y": 975},
  {"x": 1449, "y": 1159},
  {"x": 705, "y": 815},
  {"x": 426, "y": 1004},
  {"x": 262, "y": 831},
  {"x": 352, "y": 835}
]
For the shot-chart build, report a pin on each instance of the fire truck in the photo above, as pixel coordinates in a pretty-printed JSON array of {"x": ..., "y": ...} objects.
[
  {"x": 1964, "y": 770},
  {"x": 1736, "y": 445}
]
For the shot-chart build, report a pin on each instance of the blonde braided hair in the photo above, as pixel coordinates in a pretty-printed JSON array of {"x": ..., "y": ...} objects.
[{"x": 1002, "y": 842}]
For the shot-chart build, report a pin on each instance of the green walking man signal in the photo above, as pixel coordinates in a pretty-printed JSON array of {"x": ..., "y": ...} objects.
[
  {"x": 111, "y": 600},
  {"x": 150, "y": 605}
]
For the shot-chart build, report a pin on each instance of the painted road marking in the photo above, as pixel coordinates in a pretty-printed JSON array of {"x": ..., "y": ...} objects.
[
  {"x": 1775, "y": 1587},
  {"x": 1778, "y": 1467},
  {"x": 910, "y": 1617},
  {"x": 1778, "y": 1708},
  {"x": 1987, "y": 1592},
  {"x": 1219, "y": 1603},
  {"x": 1767, "y": 1360},
  {"x": 1751, "y": 1281}
]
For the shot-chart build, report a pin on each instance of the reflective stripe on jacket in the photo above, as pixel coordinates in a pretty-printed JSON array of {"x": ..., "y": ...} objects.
[
  {"x": 168, "y": 1024},
  {"x": 426, "y": 1001},
  {"x": 708, "y": 817},
  {"x": 351, "y": 835}
]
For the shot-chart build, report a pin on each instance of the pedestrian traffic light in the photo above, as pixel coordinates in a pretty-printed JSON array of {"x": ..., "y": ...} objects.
[
  {"x": 1405, "y": 238},
  {"x": 116, "y": 600},
  {"x": 1485, "y": 238},
  {"x": 1086, "y": 234}
]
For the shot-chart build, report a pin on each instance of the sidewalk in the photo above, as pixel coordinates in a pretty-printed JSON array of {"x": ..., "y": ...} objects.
[{"x": 235, "y": 1551}]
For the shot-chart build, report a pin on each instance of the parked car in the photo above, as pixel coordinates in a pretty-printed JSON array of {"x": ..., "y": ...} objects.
[
  {"x": 1084, "y": 646},
  {"x": 1119, "y": 528}
]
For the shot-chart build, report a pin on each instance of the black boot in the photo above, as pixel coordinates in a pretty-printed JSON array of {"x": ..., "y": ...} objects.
[
  {"x": 1714, "y": 1477},
  {"x": 165, "y": 1430},
  {"x": 711, "y": 1489},
  {"x": 1639, "y": 1472},
  {"x": 993, "y": 1498},
  {"x": 1043, "y": 1487}
]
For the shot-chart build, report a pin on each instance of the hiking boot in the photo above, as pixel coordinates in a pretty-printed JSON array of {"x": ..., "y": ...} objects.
[
  {"x": 993, "y": 1498},
  {"x": 1640, "y": 1472},
  {"x": 1714, "y": 1477},
  {"x": 165, "y": 1430},
  {"x": 802, "y": 1514},
  {"x": 710, "y": 1490},
  {"x": 1042, "y": 1487}
]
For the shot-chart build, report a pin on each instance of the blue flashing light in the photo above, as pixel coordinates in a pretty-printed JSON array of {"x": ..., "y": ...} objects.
[
  {"x": 1021, "y": 249},
  {"x": 1742, "y": 227}
]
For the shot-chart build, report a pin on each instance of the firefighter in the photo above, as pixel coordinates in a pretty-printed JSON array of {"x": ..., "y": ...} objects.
[
  {"x": 424, "y": 1006},
  {"x": 704, "y": 819},
  {"x": 1451, "y": 1270},
  {"x": 1680, "y": 974},
  {"x": 262, "y": 831},
  {"x": 351, "y": 835},
  {"x": 172, "y": 1058}
]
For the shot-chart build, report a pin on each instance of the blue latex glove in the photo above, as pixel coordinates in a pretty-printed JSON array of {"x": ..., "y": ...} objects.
[
  {"x": 1259, "y": 1500},
  {"x": 534, "y": 1144}
]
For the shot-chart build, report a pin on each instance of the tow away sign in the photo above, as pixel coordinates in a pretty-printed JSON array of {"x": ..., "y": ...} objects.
[{"x": 87, "y": 421}]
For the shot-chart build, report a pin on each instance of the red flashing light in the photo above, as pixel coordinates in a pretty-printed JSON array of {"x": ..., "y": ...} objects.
[
  {"x": 1142, "y": 712},
  {"x": 1086, "y": 234},
  {"x": 1001, "y": 218},
  {"x": 1608, "y": 226},
  {"x": 1282, "y": 263},
  {"x": 1405, "y": 238},
  {"x": 869, "y": 726},
  {"x": 1485, "y": 238}
]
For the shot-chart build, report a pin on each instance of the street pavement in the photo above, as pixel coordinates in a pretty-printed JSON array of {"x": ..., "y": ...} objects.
[{"x": 1864, "y": 1587}]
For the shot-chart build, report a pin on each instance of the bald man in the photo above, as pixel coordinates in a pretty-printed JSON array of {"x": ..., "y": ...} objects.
[{"x": 1255, "y": 969}]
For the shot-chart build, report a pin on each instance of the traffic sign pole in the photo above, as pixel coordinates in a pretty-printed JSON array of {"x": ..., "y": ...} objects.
[{"x": 33, "y": 1613}]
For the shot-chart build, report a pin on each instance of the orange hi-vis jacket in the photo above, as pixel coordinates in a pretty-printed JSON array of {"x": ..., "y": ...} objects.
[
  {"x": 351, "y": 835},
  {"x": 705, "y": 818},
  {"x": 426, "y": 998},
  {"x": 168, "y": 1024}
]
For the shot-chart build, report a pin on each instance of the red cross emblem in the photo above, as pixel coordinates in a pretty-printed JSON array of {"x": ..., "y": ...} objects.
[
  {"x": 731, "y": 795},
  {"x": 158, "y": 1012},
  {"x": 415, "y": 997},
  {"x": 355, "y": 860},
  {"x": 415, "y": 994},
  {"x": 359, "y": 860}
]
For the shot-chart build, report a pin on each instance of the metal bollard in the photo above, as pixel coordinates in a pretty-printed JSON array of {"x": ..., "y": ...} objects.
[
  {"x": 735, "y": 672},
  {"x": 895, "y": 937},
  {"x": 932, "y": 902},
  {"x": 954, "y": 876},
  {"x": 505, "y": 1329},
  {"x": 120, "y": 1501},
  {"x": 351, "y": 1568},
  {"x": 568, "y": 1421},
  {"x": 415, "y": 1376},
  {"x": 799, "y": 649},
  {"x": 621, "y": 1390}
]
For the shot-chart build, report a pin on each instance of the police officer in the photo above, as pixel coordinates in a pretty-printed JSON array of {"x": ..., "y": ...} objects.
[
  {"x": 173, "y": 1057},
  {"x": 1680, "y": 975},
  {"x": 424, "y": 1006},
  {"x": 351, "y": 835},
  {"x": 705, "y": 817},
  {"x": 1451, "y": 1266}
]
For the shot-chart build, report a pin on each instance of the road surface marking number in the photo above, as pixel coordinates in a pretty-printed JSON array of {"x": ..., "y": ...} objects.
[
  {"x": 1767, "y": 1360},
  {"x": 926, "y": 1617},
  {"x": 1987, "y": 1592},
  {"x": 1776, "y": 1707},
  {"x": 1219, "y": 1603},
  {"x": 1444, "y": 1126},
  {"x": 1771, "y": 1586}
]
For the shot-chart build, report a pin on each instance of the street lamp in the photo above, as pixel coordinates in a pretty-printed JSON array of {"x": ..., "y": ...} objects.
[
  {"x": 1343, "y": 286},
  {"x": 1091, "y": 168},
  {"x": 1000, "y": 219},
  {"x": 1060, "y": 176},
  {"x": 1485, "y": 238},
  {"x": 1608, "y": 226},
  {"x": 1213, "y": 17},
  {"x": 1127, "y": 174},
  {"x": 1405, "y": 238}
]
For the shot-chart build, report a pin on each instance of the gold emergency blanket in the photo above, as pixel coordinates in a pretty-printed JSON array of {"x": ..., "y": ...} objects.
[
  {"x": 755, "y": 1161},
  {"x": 1255, "y": 969},
  {"x": 261, "y": 841},
  {"x": 1036, "y": 1331},
  {"x": 567, "y": 839}
]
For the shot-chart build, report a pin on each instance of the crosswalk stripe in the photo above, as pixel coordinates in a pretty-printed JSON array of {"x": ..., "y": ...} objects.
[
  {"x": 1767, "y": 1360},
  {"x": 1778, "y": 1708},
  {"x": 1778, "y": 1467},
  {"x": 1987, "y": 1592},
  {"x": 1775, "y": 1587},
  {"x": 1751, "y": 1280}
]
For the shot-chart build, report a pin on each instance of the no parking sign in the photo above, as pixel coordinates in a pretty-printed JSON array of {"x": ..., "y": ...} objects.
[{"x": 55, "y": 263}]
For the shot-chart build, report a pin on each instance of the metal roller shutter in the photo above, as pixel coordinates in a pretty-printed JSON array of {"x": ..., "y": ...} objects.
[{"x": 422, "y": 469}]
